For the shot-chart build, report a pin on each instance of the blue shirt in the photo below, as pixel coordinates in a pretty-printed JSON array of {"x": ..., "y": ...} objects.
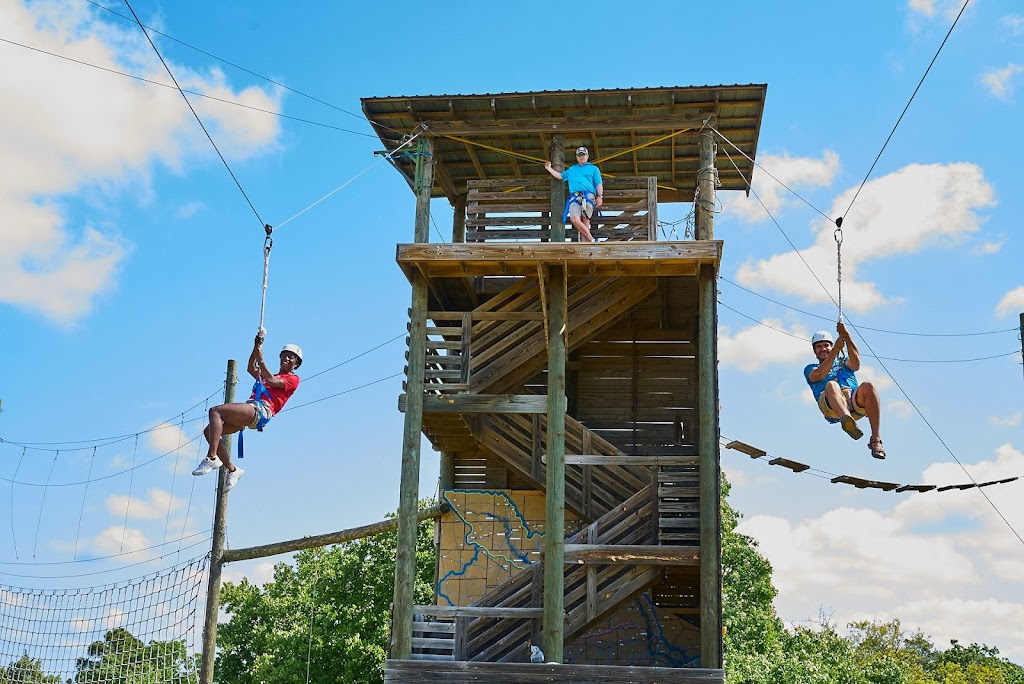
[
  {"x": 583, "y": 178},
  {"x": 839, "y": 372}
]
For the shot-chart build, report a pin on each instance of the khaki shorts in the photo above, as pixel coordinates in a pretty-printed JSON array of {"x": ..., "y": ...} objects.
[
  {"x": 851, "y": 405},
  {"x": 262, "y": 411},
  {"x": 584, "y": 209}
]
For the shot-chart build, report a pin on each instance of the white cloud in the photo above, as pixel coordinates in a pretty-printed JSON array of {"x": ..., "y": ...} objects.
[
  {"x": 946, "y": 9},
  {"x": 109, "y": 541},
  {"x": 999, "y": 82},
  {"x": 903, "y": 212},
  {"x": 898, "y": 408},
  {"x": 988, "y": 248},
  {"x": 1014, "y": 24},
  {"x": 257, "y": 572},
  {"x": 155, "y": 506},
  {"x": 1012, "y": 420},
  {"x": 1012, "y": 302},
  {"x": 187, "y": 211},
  {"x": 753, "y": 348},
  {"x": 796, "y": 172},
  {"x": 71, "y": 129}
]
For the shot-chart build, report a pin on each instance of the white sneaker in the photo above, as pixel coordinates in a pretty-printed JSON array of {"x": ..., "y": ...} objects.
[
  {"x": 232, "y": 478},
  {"x": 206, "y": 466}
]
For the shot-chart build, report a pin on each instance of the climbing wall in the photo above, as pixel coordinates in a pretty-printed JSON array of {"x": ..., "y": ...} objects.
[
  {"x": 488, "y": 536},
  {"x": 640, "y": 634}
]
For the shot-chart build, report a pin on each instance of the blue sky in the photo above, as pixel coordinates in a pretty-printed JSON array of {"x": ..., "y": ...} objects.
[{"x": 130, "y": 270}]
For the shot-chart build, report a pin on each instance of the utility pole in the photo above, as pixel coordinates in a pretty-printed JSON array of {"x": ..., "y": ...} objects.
[
  {"x": 220, "y": 514},
  {"x": 1022, "y": 337}
]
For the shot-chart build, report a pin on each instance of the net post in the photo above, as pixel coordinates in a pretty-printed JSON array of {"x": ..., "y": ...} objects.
[{"x": 217, "y": 549}]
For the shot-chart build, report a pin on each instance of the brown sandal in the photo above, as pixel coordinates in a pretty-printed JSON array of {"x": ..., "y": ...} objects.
[
  {"x": 850, "y": 427},
  {"x": 876, "y": 448}
]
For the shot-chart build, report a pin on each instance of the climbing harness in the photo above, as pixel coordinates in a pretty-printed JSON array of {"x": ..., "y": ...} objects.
[
  {"x": 581, "y": 198},
  {"x": 838, "y": 235}
]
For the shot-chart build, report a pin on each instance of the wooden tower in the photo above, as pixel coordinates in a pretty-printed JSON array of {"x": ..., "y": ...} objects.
[{"x": 570, "y": 387}]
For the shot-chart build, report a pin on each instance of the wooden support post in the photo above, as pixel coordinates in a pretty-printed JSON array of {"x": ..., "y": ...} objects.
[
  {"x": 557, "y": 190},
  {"x": 710, "y": 484},
  {"x": 408, "y": 498},
  {"x": 220, "y": 514},
  {"x": 554, "y": 538},
  {"x": 652, "y": 208},
  {"x": 459, "y": 219},
  {"x": 705, "y": 203},
  {"x": 423, "y": 183}
]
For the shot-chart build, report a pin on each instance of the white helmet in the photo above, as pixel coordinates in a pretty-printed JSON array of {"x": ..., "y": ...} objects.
[
  {"x": 821, "y": 336},
  {"x": 294, "y": 349}
]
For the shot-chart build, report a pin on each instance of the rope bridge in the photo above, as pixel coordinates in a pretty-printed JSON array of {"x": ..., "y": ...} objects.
[{"x": 143, "y": 629}]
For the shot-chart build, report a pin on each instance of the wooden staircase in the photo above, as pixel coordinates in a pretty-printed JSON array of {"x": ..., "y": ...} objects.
[{"x": 500, "y": 349}]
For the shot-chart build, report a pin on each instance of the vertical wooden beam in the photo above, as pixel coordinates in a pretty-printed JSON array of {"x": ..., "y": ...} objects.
[
  {"x": 459, "y": 219},
  {"x": 705, "y": 202},
  {"x": 220, "y": 515},
  {"x": 554, "y": 539},
  {"x": 423, "y": 183},
  {"x": 652, "y": 208},
  {"x": 710, "y": 485},
  {"x": 557, "y": 157},
  {"x": 408, "y": 498}
]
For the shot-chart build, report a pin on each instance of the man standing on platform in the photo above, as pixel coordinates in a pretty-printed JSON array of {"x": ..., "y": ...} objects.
[{"x": 586, "y": 192}]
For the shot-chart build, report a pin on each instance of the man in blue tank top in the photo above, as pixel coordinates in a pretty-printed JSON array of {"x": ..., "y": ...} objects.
[
  {"x": 586, "y": 192},
  {"x": 839, "y": 396}
]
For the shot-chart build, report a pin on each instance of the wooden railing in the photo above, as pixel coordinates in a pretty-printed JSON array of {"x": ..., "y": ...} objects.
[{"x": 516, "y": 209}]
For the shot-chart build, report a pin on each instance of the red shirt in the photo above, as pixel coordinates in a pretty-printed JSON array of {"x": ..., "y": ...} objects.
[{"x": 279, "y": 397}]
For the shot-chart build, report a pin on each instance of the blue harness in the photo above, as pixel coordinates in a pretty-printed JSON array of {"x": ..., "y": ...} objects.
[{"x": 259, "y": 391}]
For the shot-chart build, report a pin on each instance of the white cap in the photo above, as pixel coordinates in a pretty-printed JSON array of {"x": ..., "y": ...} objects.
[
  {"x": 821, "y": 336},
  {"x": 294, "y": 349},
  {"x": 582, "y": 150}
]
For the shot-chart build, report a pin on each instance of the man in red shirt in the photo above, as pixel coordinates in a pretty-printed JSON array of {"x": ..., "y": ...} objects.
[{"x": 228, "y": 419}]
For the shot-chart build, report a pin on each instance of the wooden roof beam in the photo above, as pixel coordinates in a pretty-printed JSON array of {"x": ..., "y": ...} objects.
[{"x": 568, "y": 125}]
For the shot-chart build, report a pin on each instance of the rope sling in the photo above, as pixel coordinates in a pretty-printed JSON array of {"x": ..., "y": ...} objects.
[
  {"x": 838, "y": 235},
  {"x": 259, "y": 390}
]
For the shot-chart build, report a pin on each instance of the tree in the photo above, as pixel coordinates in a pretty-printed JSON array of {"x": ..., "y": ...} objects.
[
  {"x": 122, "y": 658},
  {"x": 329, "y": 611},
  {"x": 26, "y": 670}
]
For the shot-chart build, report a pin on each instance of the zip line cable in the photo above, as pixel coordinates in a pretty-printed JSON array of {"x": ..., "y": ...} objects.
[
  {"x": 882, "y": 363},
  {"x": 192, "y": 109},
  {"x": 103, "y": 572},
  {"x": 165, "y": 424},
  {"x": 185, "y": 90},
  {"x": 251, "y": 73},
  {"x": 864, "y": 327},
  {"x": 902, "y": 114},
  {"x": 872, "y": 356}
]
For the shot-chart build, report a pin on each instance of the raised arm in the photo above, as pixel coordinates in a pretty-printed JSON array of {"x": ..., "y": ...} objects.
[
  {"x": 550, "y": 169},
  {"x": 256, "y": 357},
  {"x": 853, "y": 356}
]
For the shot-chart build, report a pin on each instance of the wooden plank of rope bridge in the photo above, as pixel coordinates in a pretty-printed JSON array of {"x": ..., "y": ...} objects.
[
  {"x": 747, "y": 449},
  {"x": 860, "y": 483},
  {"x": 916, "y": 488},
  {"x": 792, "y": 465},
  {"x": 625, "y": 554}
]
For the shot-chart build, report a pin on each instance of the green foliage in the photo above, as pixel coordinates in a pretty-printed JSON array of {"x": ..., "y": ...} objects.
[
  {"x": 760, "y": 650},
  {"x": 25, "y": 670},
  {"x": 122, "y": 658},
  {"x": 332, "y": 606}
]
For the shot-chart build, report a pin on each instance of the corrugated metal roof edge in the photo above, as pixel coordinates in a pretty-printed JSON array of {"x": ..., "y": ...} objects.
[{"x": 563, "y": 92}]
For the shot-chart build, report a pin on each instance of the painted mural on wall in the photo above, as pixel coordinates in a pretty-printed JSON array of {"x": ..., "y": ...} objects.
[{"x": 490, "y": 535}]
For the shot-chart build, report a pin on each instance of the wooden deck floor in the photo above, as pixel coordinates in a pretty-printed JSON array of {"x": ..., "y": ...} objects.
[{"x": 456, "y": 672}]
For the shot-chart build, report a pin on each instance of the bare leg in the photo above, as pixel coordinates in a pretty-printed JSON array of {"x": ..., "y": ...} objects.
[
  {"x": 867, "y": 398},
  {"x": 836, "y": 400},
  {"x": 583, "y": 228},
  {"x": 226, "y": 419}
]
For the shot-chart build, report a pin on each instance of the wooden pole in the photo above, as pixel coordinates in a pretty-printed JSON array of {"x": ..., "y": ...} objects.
[
  {"x": 459, "y": 219},
  {"x": 220, "y": 513},
  {"x": 705, "y": 202},
  {"x": 709, "y": 484},
  {"x": 408, "y": 498},
  {"x": 340, "y": 537},
  {"x": 557, "y": 189},
  {"x": 554, "y": 537},
  {"x": 423, "y": 184}
]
